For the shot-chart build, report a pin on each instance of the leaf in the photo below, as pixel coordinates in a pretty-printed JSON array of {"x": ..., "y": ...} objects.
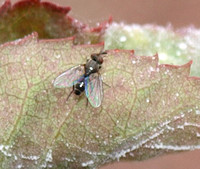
[
  {"x": 48, "y": 20},
  {"x": 174, "y": 46},
  {"x": 148, "y": 110}
]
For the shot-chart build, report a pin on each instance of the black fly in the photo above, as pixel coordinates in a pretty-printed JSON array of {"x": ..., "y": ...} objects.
[{"x": 86, "y": 78}]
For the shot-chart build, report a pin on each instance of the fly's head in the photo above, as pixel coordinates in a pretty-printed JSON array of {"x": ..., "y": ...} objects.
[{"x": 98, "y": 57}]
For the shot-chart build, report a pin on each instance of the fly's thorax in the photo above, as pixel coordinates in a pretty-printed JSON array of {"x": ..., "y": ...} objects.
[{"x": 91, "y": 67}]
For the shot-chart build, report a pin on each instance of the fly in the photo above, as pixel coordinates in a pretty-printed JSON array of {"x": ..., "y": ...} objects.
[{"x": 86, "y": 78}]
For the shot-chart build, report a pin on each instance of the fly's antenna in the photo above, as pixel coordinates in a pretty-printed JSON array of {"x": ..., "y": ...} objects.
[{"x": 103, "y": 52}]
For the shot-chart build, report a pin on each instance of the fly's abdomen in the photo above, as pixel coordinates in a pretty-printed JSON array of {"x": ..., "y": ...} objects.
[{"x": 79, "y": 88}]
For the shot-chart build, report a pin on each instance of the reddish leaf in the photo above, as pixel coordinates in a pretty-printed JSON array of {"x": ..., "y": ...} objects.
[
  {"x": 49, "y": 20},
  {"x": 149, "y": 109}
]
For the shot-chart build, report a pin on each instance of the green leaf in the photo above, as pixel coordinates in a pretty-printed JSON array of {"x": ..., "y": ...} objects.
[
  {"x": 48, "y": 20},
  {"x": 149, "y": 109},
  {"x": 173, "y": 46}
]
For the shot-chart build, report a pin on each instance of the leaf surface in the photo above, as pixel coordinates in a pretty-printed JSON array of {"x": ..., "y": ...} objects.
[
  {"x": 148, "y": 110},
  {"x": 48, "y": 20},
  {"x": 174, "y": 46}
]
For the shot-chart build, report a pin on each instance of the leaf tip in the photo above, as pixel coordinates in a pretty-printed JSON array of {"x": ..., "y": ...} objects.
[
  {"x": 31, "y": 37},
  {"x": 102, "y": 26},
  {"x": 47, "y": 5},
  {"x": 5, "y": 7}
]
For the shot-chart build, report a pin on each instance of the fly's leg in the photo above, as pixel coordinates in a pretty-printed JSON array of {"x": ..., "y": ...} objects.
[
  {"x": 87, "y": 103},
  {"x": 104, "y": 82},
  {"x": 84, "y": 66},
  {"x": 70, "y": 93}
]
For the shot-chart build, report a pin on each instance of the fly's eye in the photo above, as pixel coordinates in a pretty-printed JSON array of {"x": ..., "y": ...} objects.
[
  {"x": 100, "y": 60},
  {"x": 93, "y": 57}
]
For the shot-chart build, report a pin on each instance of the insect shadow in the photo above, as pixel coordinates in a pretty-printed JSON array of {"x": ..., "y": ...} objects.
[{"x": 84, "y": 77}]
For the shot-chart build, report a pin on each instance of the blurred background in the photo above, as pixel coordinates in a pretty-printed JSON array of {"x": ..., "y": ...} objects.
[{"x": 179, "y": 13}]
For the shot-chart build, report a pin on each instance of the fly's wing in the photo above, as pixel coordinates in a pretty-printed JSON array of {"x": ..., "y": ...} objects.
[
  {"x": 69, "y": 77},
  {"x": 94, "y": 89}
]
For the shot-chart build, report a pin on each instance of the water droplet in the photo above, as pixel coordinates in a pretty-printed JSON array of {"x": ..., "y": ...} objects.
[
  {"x": 49, "y": 156},
  {"x": 153, "y": 57},
  {"x": 58, "y": 56},
  {"x": 167, "y": 71},
  {"x": 190, "y": 110},
  {"x": 133, "y": 61},
  {"x": 178, "y": 53},
  {"x": 87, "y": 163},
  {"x": 15, "y": 157},
  {"x": 182, "y": 46},
  {"x": 128, "y": 28},
  {"x": 131, "y": 154},
  {"x": 151, "y": 69},
  {"x": 6, "y": 147},
  {"x": 19, "y": 166},
  {"x": 163, "y": 56},
  {"x": 180, "y": 127},
  {"x": 170, "y": 128},
  {"x": 157, "y": 44},
  {"x": 67, "y": 113},
  {"x": 123, "y": 38},
  {"x": 3, "y": 149},
  {"x": 198, "y": 112}
]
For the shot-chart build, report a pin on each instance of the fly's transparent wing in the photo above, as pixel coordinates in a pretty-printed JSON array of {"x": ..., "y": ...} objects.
[
  {"x": 69, "y": 77},
  {"x": 94, "y": 89}
]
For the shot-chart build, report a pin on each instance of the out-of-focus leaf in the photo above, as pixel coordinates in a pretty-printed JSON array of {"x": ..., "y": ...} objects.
[
  {"x": 48, "y": 20},
  {"x": 149, "y": 109},
  {"x": 173, "y": 46}
]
